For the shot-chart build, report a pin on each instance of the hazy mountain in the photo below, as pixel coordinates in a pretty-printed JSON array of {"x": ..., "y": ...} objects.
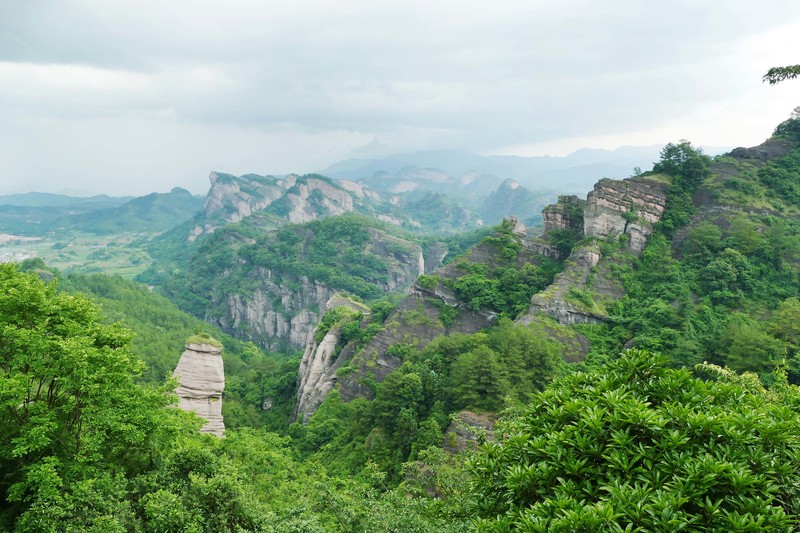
[
  {"x": 46, "y": 199},
  {"x": 573, "y": 173},
  {"x": 154, "y": 212},
  {"x": 40, "y": 213},
  {"x": 511, "y": 198}
]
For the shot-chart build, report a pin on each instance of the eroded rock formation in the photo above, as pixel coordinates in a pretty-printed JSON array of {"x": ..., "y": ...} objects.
[
  {"x": 566, "y": 214},
  {"x": 630, "y": 207},
  {"x": 279, "y": 310},
  {"x": 317, "y": 374},
  {"x": 201, "y": 380}
]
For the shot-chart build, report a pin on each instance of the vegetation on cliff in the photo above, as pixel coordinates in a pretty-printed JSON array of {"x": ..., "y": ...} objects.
[{"x": 656, "y": 437}]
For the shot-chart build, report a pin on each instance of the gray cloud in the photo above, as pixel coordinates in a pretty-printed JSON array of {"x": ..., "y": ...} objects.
[{"x": 130, "y": 96}]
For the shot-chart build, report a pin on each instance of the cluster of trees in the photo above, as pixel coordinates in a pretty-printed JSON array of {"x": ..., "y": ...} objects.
[
  {"x": 160, "y": 331},
  {"x": 412, "y": 406},
  {"x": 507, "y": 284},
  {"x": 86, "y": 446},
  {"x": 631, "y": 446},
  {"x": 625, "y": 441}
]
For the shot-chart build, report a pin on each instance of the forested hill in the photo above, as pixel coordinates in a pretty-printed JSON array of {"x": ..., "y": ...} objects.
[
  {"x": 40, "y": 214},
  {"x": 697, "y": 259},
  {"x": 569, "y": 381}
]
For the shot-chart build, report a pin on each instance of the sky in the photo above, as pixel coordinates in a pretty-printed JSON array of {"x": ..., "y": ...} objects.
[{"x": 136, "y": 96}]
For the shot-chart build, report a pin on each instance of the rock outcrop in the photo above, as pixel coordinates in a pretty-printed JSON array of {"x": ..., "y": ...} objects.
[
  {"x": 232, "y": 199},
  {"x": 418, "y": 319},
  {"x": 293, "y": 199},
  {"x": 566, "y": 214},
  {"x": 276, "y": 313},
  {"x": 317, "y": 374},
  {"x": 467, "y": 430},
  {"x": 201, "y": 380},
  {"x": 630, "y": 207},
  {"x": 567, "y": 299},
  {"x": 615, "y": 208},
  {"x": 278, "y": 309}
]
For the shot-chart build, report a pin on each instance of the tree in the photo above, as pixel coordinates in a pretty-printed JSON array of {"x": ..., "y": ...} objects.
[
  {"x": 689, "y": 165},
  {"x": 637, "y": 446},
  {"x": 73, "y": 423},
  {"x": 778, "y": 74}
]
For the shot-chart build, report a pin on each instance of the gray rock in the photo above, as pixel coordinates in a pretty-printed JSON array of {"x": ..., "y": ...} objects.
[{"x": 201, "y": 380}]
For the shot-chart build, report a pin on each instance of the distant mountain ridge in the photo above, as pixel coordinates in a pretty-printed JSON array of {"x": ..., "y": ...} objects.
[
  {"x": 574, "y": 173},
  {"x": 39, "y": 213},
  {"x": 46, "y": 199}
]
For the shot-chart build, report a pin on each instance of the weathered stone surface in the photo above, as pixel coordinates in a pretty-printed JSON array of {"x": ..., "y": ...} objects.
[
  {"x": 416, "y": 320},
  {"x": 436, "y": 253},
  {"x": 317, "y": 373},
  {"x": 276, "y": 315},
  {"x": 279, "y": 313},
  {"x": 201, "y": 381},
  {"x": 566, "y": 214},
  {"x": 555, "y": 302},
  {"x": 630, "y": 206},
  {"x": 517, "y": 227},
  {"x": 468, "y": 430},
  {"x": 233, "y": 198},
  {"x": 770, "y": 149}
]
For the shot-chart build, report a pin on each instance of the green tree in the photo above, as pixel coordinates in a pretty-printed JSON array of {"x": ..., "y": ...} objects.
[
  {"x": 637, "y": 446},
  {"x": 778, "y": 74},
  {"x": 684, "y": 162},
  {"x": 73, "y": 422}
]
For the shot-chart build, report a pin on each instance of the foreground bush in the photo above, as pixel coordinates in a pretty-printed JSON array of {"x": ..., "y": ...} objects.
[{"x": 641, "y": 447}]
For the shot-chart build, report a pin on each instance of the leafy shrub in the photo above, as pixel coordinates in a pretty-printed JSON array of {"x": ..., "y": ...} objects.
[{"x": 637, "y": 446}]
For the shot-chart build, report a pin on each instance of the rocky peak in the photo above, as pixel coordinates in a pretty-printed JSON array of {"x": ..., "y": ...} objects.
[
  {"x": 516, "y": 227},
  {"x": 630, "y": 206},
  {"x": 295, "y": 198},
  {"x": 566, "y": 214},
  {"x": 231, "y": 199},
  {"x": 201, "y": 380}
]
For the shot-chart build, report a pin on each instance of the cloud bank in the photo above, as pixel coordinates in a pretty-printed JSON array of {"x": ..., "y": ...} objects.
[{"x": 127, "y": 96}]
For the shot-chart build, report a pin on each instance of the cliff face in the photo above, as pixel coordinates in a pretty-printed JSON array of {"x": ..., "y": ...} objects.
[
  {"x": 231, "y": 199},
  {"x": 628, "y": 207},
  {"x": 415, "y": 322},
  {"x": 275, "y": 314},
  {"x": 279, "y": 309},
  {"x": 625, "y": 210},
  {"x": 201, "y": 380},
  {"x": 419, "y": 318},
  {"x": 566, "y": 214},
  {"x": 317, "y": 373},
  {"x": 617, "y": 215},
  {"x": 295, "y": 199}
]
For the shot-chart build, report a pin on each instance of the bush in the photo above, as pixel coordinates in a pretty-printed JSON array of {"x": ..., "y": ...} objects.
[{"x": 640, "y": 447}]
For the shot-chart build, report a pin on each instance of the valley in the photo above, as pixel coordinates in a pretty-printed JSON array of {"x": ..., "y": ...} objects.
[{"x": 388, "y": 342}]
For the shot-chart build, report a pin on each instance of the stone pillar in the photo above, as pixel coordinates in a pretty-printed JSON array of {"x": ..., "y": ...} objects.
[{"x": 201, "y": 380}]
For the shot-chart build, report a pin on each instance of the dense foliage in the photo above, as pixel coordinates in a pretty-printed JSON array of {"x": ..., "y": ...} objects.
[
  {"x": 688, "y": 167},
  {"x": 640, "y": 447},
  {"x": 84, "y": 447},
  {"x": 160, "y": 331},
  {"x": 411, "y": 407},
  {"x": 505, "y": 284}
]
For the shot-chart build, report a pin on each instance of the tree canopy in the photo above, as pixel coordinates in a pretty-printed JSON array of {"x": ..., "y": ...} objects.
[
  {"x": 638, "y": 446},
  {"x": 779, "y": 74},
  {"x": 73, "y": 422}
]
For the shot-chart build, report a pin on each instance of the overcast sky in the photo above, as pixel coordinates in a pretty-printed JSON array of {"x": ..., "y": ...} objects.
[{"x": 134, "y": 96}]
